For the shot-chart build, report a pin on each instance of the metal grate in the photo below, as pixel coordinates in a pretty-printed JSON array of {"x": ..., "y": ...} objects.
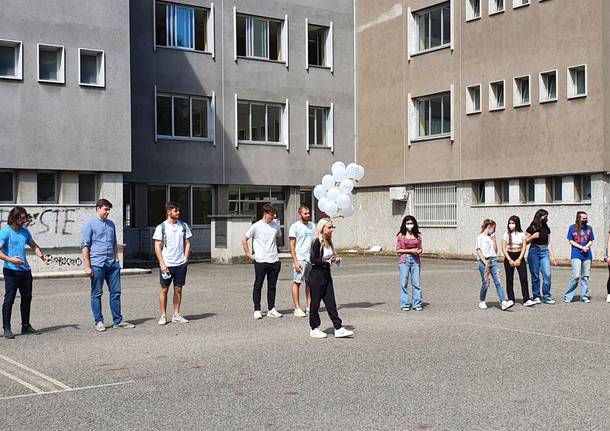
[{"x": 435, "y": 204}]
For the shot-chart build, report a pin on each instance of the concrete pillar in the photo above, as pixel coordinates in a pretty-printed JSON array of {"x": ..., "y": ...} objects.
[
  {"x": 568, "y": 189},
  {"x": 490, "y": 193},
  {"x": 27, "y": 188},
  {"x": 292, "y": 206},
  {"x": 68, "y": 188},
  {"x": 111, "y": 188},
  {"x": 540, "y": 191},
  {"x": 514, "y": 191},
  {"x": 222, "y": 199}
]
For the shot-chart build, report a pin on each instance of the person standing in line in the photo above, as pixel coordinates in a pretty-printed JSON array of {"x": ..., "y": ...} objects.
[
  {"x": 266, "y": 259},
  {"x": 409, "y": 248},
  {"x": 101, "y": 256},
  {"x": 172, "y": 248},
  {"x": 300, "y": 235},
  {"x": 321, "y": 282},
  {"x": 514, "y": 249},
  {"x": 487, "y": 252},
  {"x": 17, "y": 272},
  {"x": 608, "y": 263},
  {"x": 581, "y": 237},
  {"x": 540, "y": 256}
]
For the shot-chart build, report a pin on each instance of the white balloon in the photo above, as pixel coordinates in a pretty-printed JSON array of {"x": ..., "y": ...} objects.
[
  {"x": 339, "y": 173},
  {"x": 344, "y": 201},
  {"x": 328, "y": 181},
  {"x": 337, "y": 164},
  {"x": 331, "y": 208},
  {"x": 323, "y": 203},
  {"x": 359, "y": 173},
  {"x": 351, "y": 170},
  {"x": 346, "y": 185},
  {"x": 348, "y": 212},
  {"x": 319, "y": 191},
  {"x": 333, "y": 194}
]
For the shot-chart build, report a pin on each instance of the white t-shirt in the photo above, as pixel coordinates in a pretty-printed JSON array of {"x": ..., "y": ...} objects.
[
  {"x": 303, "y": 234},
  {"x": 518, "y": 239},
  {"x": 328, "y": 253},
  {"x": 264, "y": 241},
  {"x": 486, "y": 245},
  {"x": 173, "y": 251}
]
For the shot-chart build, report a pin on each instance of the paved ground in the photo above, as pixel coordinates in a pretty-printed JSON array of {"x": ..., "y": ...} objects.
[{"x": 451, "y": 366}]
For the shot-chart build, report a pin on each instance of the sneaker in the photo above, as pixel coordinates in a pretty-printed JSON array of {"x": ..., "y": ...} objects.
[
  {"x": 549, "y": 301},
  {"x": 8, "y": 334},
  {"x": 317, "y": 333},
  {"x": 100, "y": 327},
  {"x": 124, "y": 325},
  {"x": 273, "y": 313},
  {"x": 419, "y": 308},
  {"x": 28, "y": 329},
  {"x": 162, "y": 320},
  {"x": 537, "y": 301},
  {"x": 178, "y": 318},
  {"x": 307, "y": 309},
  {"x": 258, "y": 315},
  {"x": 299, "y": 313},
  {"x": 566, "y": 300},
  {"x": 482, "y": 305},
  {"x": 507, "y": 304},
  {"x": 343, "y": 332},
  {"x": 608, "y": 298},
  {"x": 586, "y": 300},
  {"x": 405, "y": 308},
  {"x": 529, "y": 303}
]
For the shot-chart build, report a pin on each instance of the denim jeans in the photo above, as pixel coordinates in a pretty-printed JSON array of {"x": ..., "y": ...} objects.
[
  {"x": 539, "y": 261},
  {"x": 16, "y": 281},
  {"x": 494, "y": 270},
  {"x": 580, "y": 272},
  {"x": 111, "y": 273},
  {"x": 410, "y": 269}
]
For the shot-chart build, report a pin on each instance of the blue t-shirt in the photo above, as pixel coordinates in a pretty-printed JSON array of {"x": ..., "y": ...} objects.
[
  {"x": 582, "y": 237},
  {"x": 13, "y": 244}
]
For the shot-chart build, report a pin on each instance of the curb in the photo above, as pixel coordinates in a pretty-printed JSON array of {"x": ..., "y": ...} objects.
[{"x": 81, "y": 274}]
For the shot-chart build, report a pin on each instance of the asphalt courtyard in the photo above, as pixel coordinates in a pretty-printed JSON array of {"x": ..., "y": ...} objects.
[{"x": 448, "y": 367}]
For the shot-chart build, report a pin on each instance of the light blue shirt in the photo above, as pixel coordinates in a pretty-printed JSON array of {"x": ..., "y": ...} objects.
[
  {"x": 99, "y": 236},
  {"x": 13, "y": 244}
]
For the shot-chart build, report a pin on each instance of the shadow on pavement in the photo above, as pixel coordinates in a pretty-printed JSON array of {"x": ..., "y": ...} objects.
[
  {"x": 360, "y": 305},
  {"x": 58, "y": 328},
  {"x": 199, "y": 316}
]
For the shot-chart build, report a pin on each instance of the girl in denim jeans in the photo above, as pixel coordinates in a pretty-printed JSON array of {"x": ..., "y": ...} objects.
[
  {"x": 487, "y": 252},
  {"x": 409, "y": 247}
]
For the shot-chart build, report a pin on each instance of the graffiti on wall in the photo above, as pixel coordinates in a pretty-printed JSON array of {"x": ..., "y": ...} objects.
[
  {"x": 65, "y": 261},
  {"x": 58, "y": 221}
]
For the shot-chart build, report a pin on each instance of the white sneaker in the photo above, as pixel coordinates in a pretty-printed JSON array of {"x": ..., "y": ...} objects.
[
  {"x": 317, "y": 333},
  {"x": 162, "y": 320},
  {"x": 529, "y": 303},
  {"x": 125, "y": 325},
  {"x": 343, "y": 332},
  {"x": 258, "y": 315},
  {"x": 299, "y": 313},
  {"x": 586, "y": 300},
  {"x": 549, "y": 301},
  {"x": 179, "y": 319},
  {"x": 273, "y": 313},
  {"x": 537, "y": 301},
  {"x": 307, "y": 309},
  {"x": 405, "y": 308},
  {"x": 419, "y": 308},
  {"x": 507, "y": 304},
  {"x": 100, "y": 327},
  {"x": 608, "y": 298},
  {"x": 567, "y": 301},
  {"x": 482, "y": 305}
]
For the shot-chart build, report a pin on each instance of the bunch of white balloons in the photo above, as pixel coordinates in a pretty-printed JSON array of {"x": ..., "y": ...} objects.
[{"x": 334, "y": 195}]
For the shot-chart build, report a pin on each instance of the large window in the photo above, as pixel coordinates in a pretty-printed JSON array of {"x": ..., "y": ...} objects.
[
  {"x": 433, "y": 27},
  {"x": 435, "y": 204},
  {"x": 51, "y": 64},
  {"x": 317, "y": 123},
  {"x": 433, "y": 115},
  {"x": 47, "y": 188},
  {"x": 577, "y": 81},
  {"x": 11, "y": 64},
  {"x": 91, "y": 67},
  {"x": 7, "y": 187},
  {"x": 259, "y": 122},
  {"x": 183, "y": 27},
  {"x": 318, "y": 45},
  {"x": 548, "y": 86},
  {"x": 260, "y": 38},
  {"x": 183, "y": 117},
  {"x": 86, "y": 189},
  {"x": 196, "y": 203}
]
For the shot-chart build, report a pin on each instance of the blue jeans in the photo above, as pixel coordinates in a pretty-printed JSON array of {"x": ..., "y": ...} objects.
[
  {"x": 111, "y": 273},
  {"x": 539, "y": 261},
  {"x": 580, "y": 272},
  {"x": 494, "y": 270},
  {"x": 409, "y": 269}
]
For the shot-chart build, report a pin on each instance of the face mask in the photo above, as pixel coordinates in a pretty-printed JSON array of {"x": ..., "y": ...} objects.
[
  {"x": 512, "y": 226},
  {"x": 409, "y": 227},
  {"x": 584, "y": 222}
]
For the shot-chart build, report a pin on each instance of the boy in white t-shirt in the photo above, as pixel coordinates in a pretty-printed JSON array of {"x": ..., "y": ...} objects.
[
  {"x": 266, "y": 260},
  {"x": 172, "y": 248},
  {"x": 300, "y": 236}
]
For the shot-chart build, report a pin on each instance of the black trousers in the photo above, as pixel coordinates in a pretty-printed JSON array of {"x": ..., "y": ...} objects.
[
  {"x": 321, "y": 285},
  {"x": 510, "y": 273},
  {"x": 272, "y": 272},
  {"x": 608, "y": 282},
  {"x": 13, "y": 281}
]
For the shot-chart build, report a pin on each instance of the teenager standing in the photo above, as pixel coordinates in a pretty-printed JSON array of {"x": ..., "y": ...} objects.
[
  {"x": 514, "y": 249},
  {"x": 409, "y": 247},
  {"x": 581, "y": 237},
  {"x": 540, "y": 256}
]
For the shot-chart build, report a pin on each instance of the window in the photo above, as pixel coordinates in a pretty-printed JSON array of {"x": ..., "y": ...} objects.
[
  {"x": 260, "y": 38},
  {"x": 157, "y": 197},
  {"x": 582, "y": 184},
  {"x": 91, "y": 68},
  {"x": 473, "y": 99},
  {"x": 128, "y": 217},
  {"x": 259, "y": 122},
  {"x": 496, "y": 96},
  {"x": 521, "y": 91},
  {"x": 496, "y": 6},
  {"x": 473, "y": 9},
  {"x": 433, "y": 115},
  {"x": 196, "y": 203},
  {"x": 51, "y": 64},
  {"x": 86, "y": 188},
  {"x": 202, "y": 205},
  {"x": 433, "y": 27},
  {"x": 183, "y": 117},
  {"x": 478, "y": 190},
  {"x": 527, "y": 190},
  {"x": 183, "y": 27},
  {"x": 318, "y": 118},
  {"x": 520, "y": 3},
  {"x": 46, "y": 188},
  {"x": 181, "y": 195},
  {"x": 577, "y": 81},
  {"x": 318, "y": 38},
  {"x": 502, "y": 192},
  {"x": 11, "y": 63},
  {"x": 7, "y": 187},
  {"x": 435, "y": 204},
  {"x": 555, "y": 188},
  {"x": 548, "y": 86}
]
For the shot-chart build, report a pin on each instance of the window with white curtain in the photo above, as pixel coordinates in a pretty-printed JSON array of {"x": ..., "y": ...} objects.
[
  {"x": 496, "y": 6},
  {"x": 548, "y": 86},
  {"x": 473, "y": 9}
]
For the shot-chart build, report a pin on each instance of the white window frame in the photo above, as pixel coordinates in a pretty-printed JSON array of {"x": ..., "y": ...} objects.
[
  {"x": 517, "y": 96},
  {"x": 493, "y": 102},
  {"x": 170, "y": 26},
  {"x": 439, "y": 200},
  {"x": 470, "y": 105},
  {"x": 210, "y": 102},
  {"x": 443, "y": 135},
  {"x": 542, "y": 86},
  {"x": 328, "y": 46},
  {"x": 470, "y": 11},
  {"x": 101, "y": 67},
  {"x": 327, "y": 126},
  {"x": 18, "y": 76},
  {"x": 283, "y": 40},
  {"x": 61, "y": 70},
  {"x": 14, "y": 188},
  {"x": 283, "y": 142},
  {"x": 519, "y": 3},
  {"x": 414, "y": 32},
  {"x": 493, "y": 10},
  {"x": 572, "y": 84}
]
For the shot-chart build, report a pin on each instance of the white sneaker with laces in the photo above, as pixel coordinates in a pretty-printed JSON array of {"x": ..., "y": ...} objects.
[
  {"x": 317, "y": 333},
  {"x": 608, "y": 298},
  {"x": 125, "y": 325},
  {"x": 178, "y": 318},
  {"x": 258, "y": 315},
  {"x": 537, "y": 301},
  {"x": 507, "y": 304},
  {"x": 529, "y": 303},
  {"x": 273, "y": 313},
  {"x": 586, "y": 300},
  {"x": 299, "y": 313},
  {"x": 100, "y": 327},
  {"x": 482, "y": 305},
  {"x": 343, "y": 332},
  {"x": 162, "y": 320},
  {"x": 307, "y": 309},
  {"x": 550, "y": 301},
  {"x": 567, "y": 301}
]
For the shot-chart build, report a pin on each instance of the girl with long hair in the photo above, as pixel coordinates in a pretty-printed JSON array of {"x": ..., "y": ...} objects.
[
  {"x": 514, "y": 249},
  {"x": 409, "y": 247},
  {"x": 322, "y": 256},
  {"x": 540, "y": 256}
]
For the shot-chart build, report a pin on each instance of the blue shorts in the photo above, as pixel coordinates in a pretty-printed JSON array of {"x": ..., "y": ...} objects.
[{"x": 178, "y": 276}]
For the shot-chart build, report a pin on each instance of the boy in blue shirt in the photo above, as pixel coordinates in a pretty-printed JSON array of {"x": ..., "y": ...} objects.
[{"x": 581, "y": 238}]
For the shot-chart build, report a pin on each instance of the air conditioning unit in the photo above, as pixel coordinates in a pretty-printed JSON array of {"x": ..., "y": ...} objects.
[{"x": 398, "y": 194}]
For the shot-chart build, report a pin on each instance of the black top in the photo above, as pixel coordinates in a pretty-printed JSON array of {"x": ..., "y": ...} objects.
[
  {"x": 543, "y": 239},
  {"x": 316, "y": 254}
]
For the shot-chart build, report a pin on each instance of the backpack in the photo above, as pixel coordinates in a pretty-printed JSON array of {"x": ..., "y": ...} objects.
[{"x": 164, "y": 237}]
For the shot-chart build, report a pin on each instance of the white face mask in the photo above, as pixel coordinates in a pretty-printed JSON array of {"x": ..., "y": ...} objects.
[
  {"x": 409, "y": 227},
  {"x": 511, "y": 226}
]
